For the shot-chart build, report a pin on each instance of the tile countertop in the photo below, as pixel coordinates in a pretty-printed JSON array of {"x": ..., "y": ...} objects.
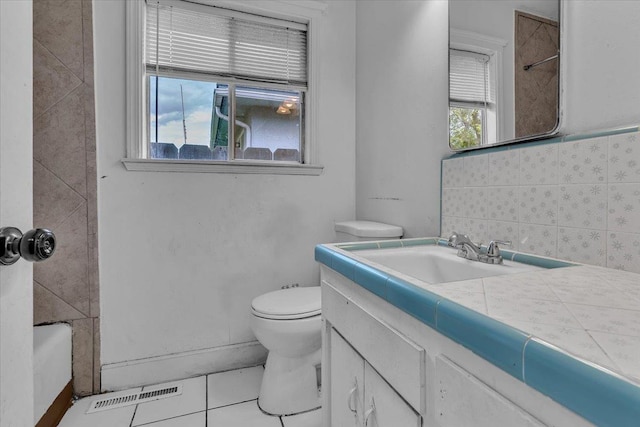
[
  {"x": 572, "y": 333},
  {"x": 590, "y": 312}
]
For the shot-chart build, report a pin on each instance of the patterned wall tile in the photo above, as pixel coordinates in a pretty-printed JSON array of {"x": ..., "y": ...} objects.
[
  {"x": 582, "y": 245},
  {"x": 504, "y": 167},
  {"x": 503, "y": 230},
  {"x": 476, "y": 229},
  {"x": 539, "y": 165},
  {"x": 624, "y": 158},
  {"x": 578, "y": 200},
  {"x": 623, "y": 251},
  {"x": 502, "y": 203},
  {"x": 452, "y": 173},
  {"x": 451, "y": 224},
  {"x": 476, "y": 170},
  {"x": 539, "y": 204},
  {"x": 583, "y": 161},
  {"x": 624, "y": 207},
  {"x": 453, "y": 201},
  {"x": 475, "y": 202},
  {"x": 583, "y": 205},
  {"x": 538, "y": 239}
]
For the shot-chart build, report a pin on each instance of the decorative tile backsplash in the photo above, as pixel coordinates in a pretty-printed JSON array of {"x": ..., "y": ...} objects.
[{"x": 576, "y": 198}]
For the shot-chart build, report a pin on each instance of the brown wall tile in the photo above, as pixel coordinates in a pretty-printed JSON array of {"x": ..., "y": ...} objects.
[
  {"x": 65, "y": 183},
  {"x": 57, "y": 24},
  {"x": 52, "y": 81},
  {"x": 83, "y": 356},
  {"x": 48, "y": 307}
]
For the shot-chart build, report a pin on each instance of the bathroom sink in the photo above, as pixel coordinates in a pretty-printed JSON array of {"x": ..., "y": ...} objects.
[{"x": 439, "y": 264}]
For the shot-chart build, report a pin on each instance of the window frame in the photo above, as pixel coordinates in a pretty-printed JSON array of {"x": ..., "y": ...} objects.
[
  {"x": 494, "y": 48},
  {"x": 307, "y": 11}
]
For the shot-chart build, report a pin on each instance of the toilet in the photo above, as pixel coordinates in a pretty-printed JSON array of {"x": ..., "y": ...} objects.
[{"x": 287, "y": 322}]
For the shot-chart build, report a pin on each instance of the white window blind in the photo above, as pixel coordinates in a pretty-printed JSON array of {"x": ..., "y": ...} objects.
[
  {"x": 470, "y": 77},
  {"x": 186, "y": 37}
]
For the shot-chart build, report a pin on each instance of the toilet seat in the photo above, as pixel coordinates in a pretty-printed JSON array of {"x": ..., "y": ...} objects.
[{"x": 288, "y": 304}]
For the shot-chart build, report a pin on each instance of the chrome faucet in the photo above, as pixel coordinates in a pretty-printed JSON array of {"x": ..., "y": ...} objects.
[
  {"x": 469, "y": 250},
  {"x": 466, "y": 248}
]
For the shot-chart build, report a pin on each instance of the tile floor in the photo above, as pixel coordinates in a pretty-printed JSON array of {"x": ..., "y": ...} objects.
[{"x": 225, "y": 399}]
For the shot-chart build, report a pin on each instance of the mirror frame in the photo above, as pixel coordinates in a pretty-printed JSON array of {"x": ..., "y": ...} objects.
[{"x": 553, "y": 132}]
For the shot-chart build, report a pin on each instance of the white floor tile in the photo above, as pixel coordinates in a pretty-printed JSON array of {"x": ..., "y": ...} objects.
[
  {"x": 120, "y": 417},
  {"x": 192, "y": 420},
  {"x": 193, "y": 399},
  {"x": 308, "y": 419},
  {"x": 240, "y": 385},
  {"x": 241, "y": 415}
]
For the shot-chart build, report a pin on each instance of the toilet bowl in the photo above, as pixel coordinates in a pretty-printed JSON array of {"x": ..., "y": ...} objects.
[{"x": 288, "y": 323}]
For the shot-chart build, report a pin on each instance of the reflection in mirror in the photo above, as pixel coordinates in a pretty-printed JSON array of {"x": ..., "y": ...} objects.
[{"x": 503, "y": 71}]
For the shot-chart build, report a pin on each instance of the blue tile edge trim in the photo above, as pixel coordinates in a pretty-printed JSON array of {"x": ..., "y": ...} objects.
[
  {"x": 539, "y": 261},
  {"x": 601, "y": 397},
  {"x": 323, "y": 255},
  {"x": 492, "y": 340},
  {"x": 371, "y": 279},
  {"x": 413, "y": 300}
]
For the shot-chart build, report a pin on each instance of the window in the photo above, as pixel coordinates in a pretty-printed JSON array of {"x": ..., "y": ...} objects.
[
  {"x": 472, "y": 99},
  {"x": 203, "y": 68}
]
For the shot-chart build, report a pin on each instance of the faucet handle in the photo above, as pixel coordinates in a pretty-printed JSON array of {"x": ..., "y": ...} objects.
[{"x": 494, "y": 250}]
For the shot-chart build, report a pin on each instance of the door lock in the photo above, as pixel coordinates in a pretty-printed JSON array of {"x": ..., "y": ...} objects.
[{"x": 34, "y": 245}]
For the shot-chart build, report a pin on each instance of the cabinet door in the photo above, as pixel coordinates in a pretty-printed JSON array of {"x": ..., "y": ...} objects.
[
  {"x": 347, "y": 383},
  {"x": 466, "y": 401},
  {"x": 383, "y": 407}
]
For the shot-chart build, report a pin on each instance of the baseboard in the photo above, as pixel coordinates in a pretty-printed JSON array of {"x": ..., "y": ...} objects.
[
  {"x": 58, "y": 408},
  {"x": 153, "y": 370}
]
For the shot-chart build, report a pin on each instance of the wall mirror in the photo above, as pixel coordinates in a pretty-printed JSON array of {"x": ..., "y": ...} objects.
[{"x": 504, "y": 71}]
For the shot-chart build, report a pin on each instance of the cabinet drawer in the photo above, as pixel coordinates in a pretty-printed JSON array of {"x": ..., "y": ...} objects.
[{"x": 400, "y": 361}]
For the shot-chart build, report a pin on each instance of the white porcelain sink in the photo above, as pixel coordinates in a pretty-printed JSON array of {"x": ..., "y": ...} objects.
[{"x": 439, "y": 264}]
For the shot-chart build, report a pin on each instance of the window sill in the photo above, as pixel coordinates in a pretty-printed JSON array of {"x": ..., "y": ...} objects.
[{"x": 199, "y": 166}]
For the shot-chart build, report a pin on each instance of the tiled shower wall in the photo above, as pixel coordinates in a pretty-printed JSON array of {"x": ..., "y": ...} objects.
[
  {"x": 64, "y": 183},
  {"x": 576, "y": 198}
]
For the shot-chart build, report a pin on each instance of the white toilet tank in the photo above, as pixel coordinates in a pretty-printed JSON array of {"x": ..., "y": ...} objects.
[{"x": 356, "y": 231}]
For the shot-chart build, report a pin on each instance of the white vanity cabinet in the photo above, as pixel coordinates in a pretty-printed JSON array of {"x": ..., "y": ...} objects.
[
  {"x": 360, "y": 396},
  {"x": 376, "y": 375},
  {"x": 415, "y": 376}
]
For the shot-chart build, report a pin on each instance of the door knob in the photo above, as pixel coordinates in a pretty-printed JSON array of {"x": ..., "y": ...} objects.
[{"x": 34, "y": 245}]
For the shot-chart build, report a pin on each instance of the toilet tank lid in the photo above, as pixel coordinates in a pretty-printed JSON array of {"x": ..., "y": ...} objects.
[
  {"x": 288, "y": 303},
  {"x": 369, "y": 229}
]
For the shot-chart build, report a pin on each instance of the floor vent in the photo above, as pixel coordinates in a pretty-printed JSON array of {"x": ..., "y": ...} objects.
[{"x": 119, "y": 400}]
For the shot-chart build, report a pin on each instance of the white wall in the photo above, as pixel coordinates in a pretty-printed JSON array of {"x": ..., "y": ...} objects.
[
  {"x": 183, "y": 254},
  {"x": 602, "y": 62},
  {"x": 402, "y": 112},
  {"x": 16, "y": 210}
]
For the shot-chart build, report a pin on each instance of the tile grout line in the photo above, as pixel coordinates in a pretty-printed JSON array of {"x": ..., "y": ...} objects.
[
  {"x": 84, "y": 198},
  {"x": 64, "y": 301}
]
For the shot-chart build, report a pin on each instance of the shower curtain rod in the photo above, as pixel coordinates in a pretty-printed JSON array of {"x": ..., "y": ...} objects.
[{"x": 535, "y": 64}]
